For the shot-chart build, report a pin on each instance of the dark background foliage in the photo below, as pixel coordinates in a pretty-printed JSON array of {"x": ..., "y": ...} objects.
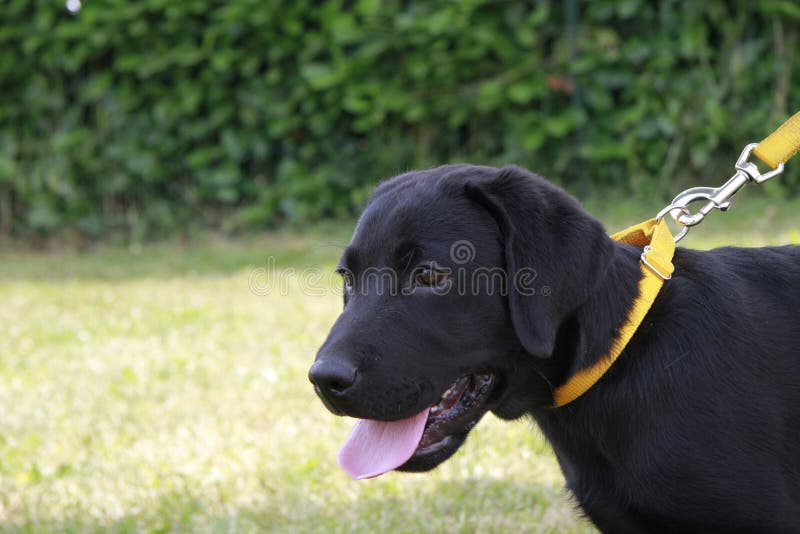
[{"x": 131, "y": 118}]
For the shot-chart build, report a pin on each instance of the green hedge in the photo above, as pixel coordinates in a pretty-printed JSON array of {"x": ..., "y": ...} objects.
[{"x": 135, "y": 117}]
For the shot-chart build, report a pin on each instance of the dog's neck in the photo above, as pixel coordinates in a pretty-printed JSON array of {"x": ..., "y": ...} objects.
[
  {"x": 584, "y": 338},
  {"x": 607, "y": 309},
  {"x": 586, "y": 335}
]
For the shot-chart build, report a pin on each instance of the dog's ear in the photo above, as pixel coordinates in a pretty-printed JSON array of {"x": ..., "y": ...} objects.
[{"x": 556, "y": 253}]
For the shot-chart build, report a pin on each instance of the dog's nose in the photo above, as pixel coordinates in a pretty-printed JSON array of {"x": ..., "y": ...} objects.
[
  {"x": 331, "y": 379},
  {"x": 332, "y": 376}
]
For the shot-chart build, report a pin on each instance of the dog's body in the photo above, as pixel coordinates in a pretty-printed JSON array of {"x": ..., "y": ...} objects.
[{"x": 695, "y": 428}]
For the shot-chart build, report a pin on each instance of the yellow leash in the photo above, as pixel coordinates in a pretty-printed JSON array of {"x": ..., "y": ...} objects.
[
  {"x": 659, "y": 245},
  {"x": 781, "y": 144}
]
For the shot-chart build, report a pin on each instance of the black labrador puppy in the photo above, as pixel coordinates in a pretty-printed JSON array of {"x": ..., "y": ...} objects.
[{"x": 469, "y": 289}]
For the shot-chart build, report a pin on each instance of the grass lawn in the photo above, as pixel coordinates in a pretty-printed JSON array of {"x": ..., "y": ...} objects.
[{"x": 159, "y": 389}]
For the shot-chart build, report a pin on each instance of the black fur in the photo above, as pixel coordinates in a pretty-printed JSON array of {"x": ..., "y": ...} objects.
[{"x": 695, "y": 428}]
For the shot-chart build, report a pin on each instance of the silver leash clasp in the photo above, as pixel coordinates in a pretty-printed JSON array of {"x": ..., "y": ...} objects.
[{"x": 716, "y": 197}]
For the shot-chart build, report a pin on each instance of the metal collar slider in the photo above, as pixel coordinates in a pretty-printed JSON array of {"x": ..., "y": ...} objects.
[{"x": 655, "y": 262}]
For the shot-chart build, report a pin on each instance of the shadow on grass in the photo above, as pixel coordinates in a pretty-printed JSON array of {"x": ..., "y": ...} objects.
[
  {"x": 471, "y": 505},
  {"x": 456, "y": 506}
]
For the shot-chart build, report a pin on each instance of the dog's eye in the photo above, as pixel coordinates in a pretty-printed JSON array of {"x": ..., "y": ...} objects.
[
  {"x": 347, "y": 278},
  {"x": 429, "y": 276}
]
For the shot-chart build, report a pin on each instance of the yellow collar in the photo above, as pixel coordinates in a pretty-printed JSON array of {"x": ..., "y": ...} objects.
[{"x": 656, "y": 267}]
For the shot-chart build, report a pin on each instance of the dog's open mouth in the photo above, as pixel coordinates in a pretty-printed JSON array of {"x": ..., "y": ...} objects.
[
  {"x": 422, "y": 441},
  {"x": 455, "y": 412}
]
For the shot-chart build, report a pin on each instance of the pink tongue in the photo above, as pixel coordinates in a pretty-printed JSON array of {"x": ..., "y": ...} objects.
[{"x": 375, "y": 447}]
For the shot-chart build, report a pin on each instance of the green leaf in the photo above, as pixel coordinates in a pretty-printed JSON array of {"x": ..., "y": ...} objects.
[{"x": 319, "y": 75}]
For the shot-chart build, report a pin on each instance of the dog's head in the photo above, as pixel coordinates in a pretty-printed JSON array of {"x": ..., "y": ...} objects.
[{"x": 459, "y": 285}]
